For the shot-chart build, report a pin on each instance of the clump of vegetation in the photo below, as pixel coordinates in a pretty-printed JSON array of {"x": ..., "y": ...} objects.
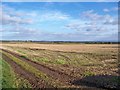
[
  {"x": 21, "y": 83},
  {"x": 60, "y": 61},
  {"x": 41, "y": 59},
  {"x": 88, "y": 73},
  {"x": 23, "y": 56},
  {"x": 21, "y": 51}
]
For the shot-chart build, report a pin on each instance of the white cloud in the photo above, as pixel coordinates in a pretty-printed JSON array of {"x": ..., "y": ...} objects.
[
  {"x": 94, "y": 25},
  {"x": 7, "y": 19},
  {"x": 90, "y": 14},
  {"x": 106, "y": 10},
  {"x": 111, "y": 21},
  {"x": 111, "y": 9},
  {"x": 20, "y": 31},
  {"x": 16, "y": 22},
  {"x": 115, "y": 8},
  {"x": 100, "y": 19},
  {"x": 11, "y": 16},
  {"x": 53, "y": 16}
]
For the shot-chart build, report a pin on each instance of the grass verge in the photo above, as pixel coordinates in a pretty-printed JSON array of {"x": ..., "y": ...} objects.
[{"x": 9, "y": 79}]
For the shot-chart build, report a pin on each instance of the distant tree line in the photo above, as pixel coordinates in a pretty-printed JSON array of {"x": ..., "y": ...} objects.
[{"x": 62, "y": 42}]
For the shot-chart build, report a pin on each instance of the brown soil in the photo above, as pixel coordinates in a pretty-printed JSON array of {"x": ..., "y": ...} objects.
[{"x": 33, "y": 80}]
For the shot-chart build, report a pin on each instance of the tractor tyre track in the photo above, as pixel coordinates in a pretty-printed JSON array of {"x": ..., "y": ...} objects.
[
  {"x": 57, "y": 75},
  {"x": 33, "y": 80}
]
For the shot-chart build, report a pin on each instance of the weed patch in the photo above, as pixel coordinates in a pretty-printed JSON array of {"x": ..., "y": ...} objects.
[
  {"x": 88, "y": 73},
  {"x": 60, "y": 61}
]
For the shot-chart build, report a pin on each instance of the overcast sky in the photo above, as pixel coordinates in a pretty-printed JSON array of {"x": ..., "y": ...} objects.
[{"x": 78, "y": 21}]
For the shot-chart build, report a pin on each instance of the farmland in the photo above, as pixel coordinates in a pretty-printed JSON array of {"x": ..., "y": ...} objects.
[{"x": 33, "y": 65}]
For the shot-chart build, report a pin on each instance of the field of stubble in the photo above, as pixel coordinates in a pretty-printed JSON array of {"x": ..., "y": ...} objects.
[{"x": 32, "y": 65}]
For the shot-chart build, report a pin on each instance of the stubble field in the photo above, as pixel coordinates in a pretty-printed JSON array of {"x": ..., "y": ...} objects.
[{"x": 59, "y": 65}]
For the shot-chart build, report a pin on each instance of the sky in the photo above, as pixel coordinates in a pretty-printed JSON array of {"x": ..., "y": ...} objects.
[
  {"x": 60, "y": 0},
  {"x": 59, "y": 21}
]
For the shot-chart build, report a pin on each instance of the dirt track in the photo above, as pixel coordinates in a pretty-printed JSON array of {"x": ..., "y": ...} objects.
[{"x": 33, "y": 80}]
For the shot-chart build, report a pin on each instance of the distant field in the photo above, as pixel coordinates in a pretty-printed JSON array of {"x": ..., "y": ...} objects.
[
  {"x": 67, "y": 47},
  {"x": 63, "y": 65}
]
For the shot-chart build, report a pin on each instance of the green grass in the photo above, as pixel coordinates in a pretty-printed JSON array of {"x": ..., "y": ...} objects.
[
  {"x": 0, "y": 72},
  {"x": 8, "y": 76},
  {"x": 9, "y": 79},
  {"x": 60, "y": 61},
  {"x": 41, "y": 59},
  {"x": 21, "y": 51}
]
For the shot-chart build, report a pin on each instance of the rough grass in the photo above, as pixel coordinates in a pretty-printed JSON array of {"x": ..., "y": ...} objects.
[
  {"x": 8, "y": 75},
  {"x": 0, "y": 72},
  {"x": 61, "y": 61},
  {"x": 9, "y": 79}
]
